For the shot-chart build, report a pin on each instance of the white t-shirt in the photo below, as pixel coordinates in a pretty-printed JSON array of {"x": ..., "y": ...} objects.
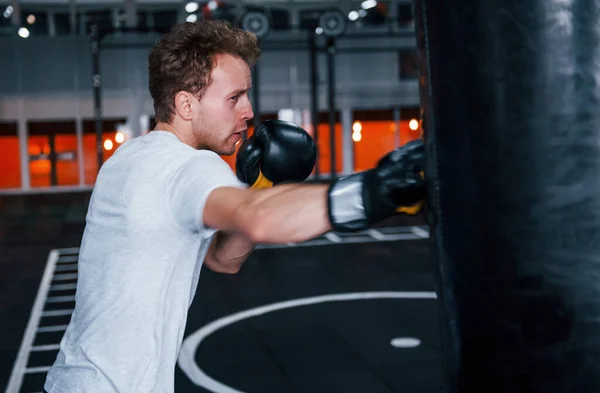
[{"x": 139, "y": 265}]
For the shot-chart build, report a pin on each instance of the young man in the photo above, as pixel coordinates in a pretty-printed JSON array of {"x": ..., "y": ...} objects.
[{"x": 165, "y": 204}]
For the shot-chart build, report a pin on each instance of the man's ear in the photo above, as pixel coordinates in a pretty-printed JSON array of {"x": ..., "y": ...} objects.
[{"x": 183, "y": 105}]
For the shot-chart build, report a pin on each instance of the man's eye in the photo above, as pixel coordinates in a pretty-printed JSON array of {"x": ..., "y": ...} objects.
[{"x": 235, "y": 97}]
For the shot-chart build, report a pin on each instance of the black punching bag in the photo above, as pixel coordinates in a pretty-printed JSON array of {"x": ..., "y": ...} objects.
[{"x": 510, "y": 93}]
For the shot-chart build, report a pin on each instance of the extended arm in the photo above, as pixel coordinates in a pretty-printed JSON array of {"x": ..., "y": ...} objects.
[
  {"x": 286, "y": 213},
  {"x": 298, "y": 212},
  {"x": 282, "y": 214}
]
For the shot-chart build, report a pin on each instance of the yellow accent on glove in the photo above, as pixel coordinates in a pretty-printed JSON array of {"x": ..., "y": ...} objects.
[
  {"x": 414, "y": 209},
  {"x": 411, "y": 210},
  {"x": 262, "y": 182}
]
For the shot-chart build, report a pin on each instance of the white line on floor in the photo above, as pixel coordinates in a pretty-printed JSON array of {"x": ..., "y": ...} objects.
[
  {"x": 37, "y": 370},
  {"x": 68, "y": 259},
  {"x": 65, "y": 277},
  {"x": 63, "y": 287},
  {"x": 60, "y": 299},
  {"x": 69, "y": 267},
  {"x": 50, "y": 329},
  {"x": 420, "y": 232},
  {"x": 49, "y": 347},
  {"x": 375, "y": 234},
  {"x": 346, "y": 240},
  {"x": 19, "y": 368},
  {"x": 187, "y": 355},
  {"x": 332, "y": 237},
  {"x": 57, "y": 313},
  {"x": 67, "y": 251}
]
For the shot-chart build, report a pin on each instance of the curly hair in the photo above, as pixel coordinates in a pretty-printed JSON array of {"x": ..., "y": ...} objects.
[{"x": 184, "y": 58}]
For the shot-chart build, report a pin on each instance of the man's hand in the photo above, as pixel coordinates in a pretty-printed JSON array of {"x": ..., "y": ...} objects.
[
  {"x": 395, "y": 185},
  {"x": 277, "y": 152}
]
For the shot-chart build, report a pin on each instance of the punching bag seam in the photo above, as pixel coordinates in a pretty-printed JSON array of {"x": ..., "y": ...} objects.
[{"x": 446, "y": 297}]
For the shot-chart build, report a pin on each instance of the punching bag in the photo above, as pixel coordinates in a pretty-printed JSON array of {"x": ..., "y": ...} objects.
[{"x": 511, "y": 114}]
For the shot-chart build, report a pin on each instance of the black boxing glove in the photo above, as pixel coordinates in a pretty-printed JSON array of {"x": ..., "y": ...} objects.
[
  {"x": 276, "y": 152},
  {"x": 396, "y": 184}
]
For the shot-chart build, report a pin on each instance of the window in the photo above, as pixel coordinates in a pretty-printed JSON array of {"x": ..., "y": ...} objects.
[{"x": 52, "y": 148}]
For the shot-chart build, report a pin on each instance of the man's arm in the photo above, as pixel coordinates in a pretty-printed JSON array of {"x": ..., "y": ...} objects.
[
  {"x": 299, "y": 212},
  {"x": 282, "y": 214},
  {"x": 228, "y": 252}
]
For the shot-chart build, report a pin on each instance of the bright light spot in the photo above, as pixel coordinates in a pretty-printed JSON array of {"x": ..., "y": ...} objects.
[
  {"x": 413, "y": 124},
  {"x": 212, "y": 5},
  {"x": 119, "y": 137},
  {"x": 357, "y": 126},
  {"x": 353, "y": 15},
  {"x": 108, "y": 145},
  {"x": 319, "y": 30},
  {"x": 23, "y": 32},
  {"x": 405, "y": 342},
  {"x": 367, "y": 4},
  {"x": 191, "y": 18},
  {"x": 8, "y": 11},
  {"x": 31, "y": 19},
  {"x": 356, "y": 136},
  {"x": 191, "y": 7}
]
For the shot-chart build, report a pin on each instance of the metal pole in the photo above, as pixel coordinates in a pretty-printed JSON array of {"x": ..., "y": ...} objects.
[
  {"x": 397, "y": 124},
  {"x": 53, "y": 159},
  {"x": 331, "y": 100},
  {"x": 256, "y": 94},
  {"x": 96, "y": 85},
  {"x": 314, "y": 96}
]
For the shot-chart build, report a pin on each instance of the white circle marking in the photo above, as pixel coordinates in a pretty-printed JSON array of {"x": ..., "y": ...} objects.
[{"x": 191, "y": 343}]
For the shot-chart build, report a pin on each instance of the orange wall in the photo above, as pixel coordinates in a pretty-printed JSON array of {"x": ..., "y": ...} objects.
[
  {"x": 377, "y": 139},
  {"x": 10, "y": 168},
  {"x": 90, "y": 160}
]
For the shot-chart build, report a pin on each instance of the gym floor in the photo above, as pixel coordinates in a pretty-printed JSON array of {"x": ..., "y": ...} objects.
[{"x": 341, "y": 313}]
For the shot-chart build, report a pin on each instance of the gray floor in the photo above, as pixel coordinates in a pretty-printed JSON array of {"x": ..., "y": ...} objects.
[{"x": 350, "y": 297}]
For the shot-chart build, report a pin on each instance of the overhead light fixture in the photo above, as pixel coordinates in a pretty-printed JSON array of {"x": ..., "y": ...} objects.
[
  {"x": 353, "y": 15},
  {"x": 333, "y": 23},
  {"x": 108, "y": 145},
  {"x": 23, "y": 32},
  {"x": 191, "y": 18},
  {"x": 191, "y": 7},
  {"x": 213, "y": 5},
  {"x": 413, "y": 124},
  {"x": 368, "y": 4},
  {"x": 8, "y": 12},
  {"x": 256, "y": 23}
]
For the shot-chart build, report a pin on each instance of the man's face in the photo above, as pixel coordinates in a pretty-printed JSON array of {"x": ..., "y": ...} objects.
[{"x": 225, "y": 107}]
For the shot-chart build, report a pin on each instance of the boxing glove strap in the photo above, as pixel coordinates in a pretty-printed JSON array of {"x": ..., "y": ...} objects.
[
  {"x": 262, "y": 182},
  {"x": 345, "y": 204}
]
